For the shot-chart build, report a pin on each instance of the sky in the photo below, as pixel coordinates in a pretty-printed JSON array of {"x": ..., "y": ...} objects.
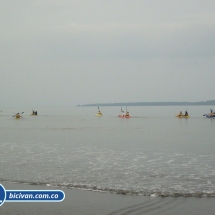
[{"x": 65, "y": 53}]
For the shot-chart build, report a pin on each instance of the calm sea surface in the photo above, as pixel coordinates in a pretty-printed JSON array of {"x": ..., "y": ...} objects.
[{"x": 152, "y": 153}]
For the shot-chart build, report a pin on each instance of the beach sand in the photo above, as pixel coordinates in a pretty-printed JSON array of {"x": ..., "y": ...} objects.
[{"x": 81, "y": 202}]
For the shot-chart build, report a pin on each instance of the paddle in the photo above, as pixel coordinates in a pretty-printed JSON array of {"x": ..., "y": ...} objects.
[
  {"x": 122, "y": 110},
  {"x": 20, "y": 113}
]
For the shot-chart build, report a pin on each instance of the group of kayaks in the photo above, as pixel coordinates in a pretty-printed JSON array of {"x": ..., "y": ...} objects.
[
  {"x": 126, "y": 114},
  {"x": 180, "y": 115},
  {"x": 186, "y": 115},
  {"x": 121, "y": 115},
  {"x": 19, "y": 115}
]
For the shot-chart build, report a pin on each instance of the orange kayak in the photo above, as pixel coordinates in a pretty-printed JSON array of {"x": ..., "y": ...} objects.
[{"x": 124, "y": 116}]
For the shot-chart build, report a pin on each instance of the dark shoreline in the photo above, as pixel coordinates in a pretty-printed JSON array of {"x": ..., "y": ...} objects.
[{"x": 211, "y": 102}]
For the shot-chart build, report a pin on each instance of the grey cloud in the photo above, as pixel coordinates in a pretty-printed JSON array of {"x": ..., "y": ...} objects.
[{"x": 139, "y": 48}]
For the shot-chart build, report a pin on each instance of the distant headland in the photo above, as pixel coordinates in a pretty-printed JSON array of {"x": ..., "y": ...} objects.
[{"x": 210, "y": 102}]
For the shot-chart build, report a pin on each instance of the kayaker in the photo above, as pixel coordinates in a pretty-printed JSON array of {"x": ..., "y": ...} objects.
[
  {"x": 186, "y": 113},
  {"x": 180, "y": 114},
  {"x": 121, "y": 112},
  {"x": 212, "y": 113},
  {"x": 17, "y": 115}
]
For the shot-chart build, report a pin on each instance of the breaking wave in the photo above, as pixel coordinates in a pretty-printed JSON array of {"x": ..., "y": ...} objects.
[{"x": 143, "y": 192}]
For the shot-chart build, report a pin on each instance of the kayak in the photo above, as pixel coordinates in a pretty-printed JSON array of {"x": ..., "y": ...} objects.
[
  {"x": 209, "y": 116},
  {"x": 182, "y": 116},
  {"x": 18, "y": 116},
  {"x": 124, "y": 116},
  {"x": 98, "y": 114},
  {"x": 34, "y": 113}
]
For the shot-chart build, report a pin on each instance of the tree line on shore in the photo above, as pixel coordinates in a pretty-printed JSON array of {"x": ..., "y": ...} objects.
[{"x": 210, "y": 102}]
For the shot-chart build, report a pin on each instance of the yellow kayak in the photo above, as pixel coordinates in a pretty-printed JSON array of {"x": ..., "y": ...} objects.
[
  {"x": 182, "y": 116},
  {"x": 98, "y": 114},
  {"x": 18, "y": 115}
]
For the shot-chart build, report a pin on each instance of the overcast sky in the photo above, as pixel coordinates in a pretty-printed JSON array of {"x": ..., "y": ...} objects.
[{"x": 70, "y": 52}]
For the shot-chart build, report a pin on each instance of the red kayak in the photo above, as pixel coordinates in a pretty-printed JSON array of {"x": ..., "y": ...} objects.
[{"x": 124, "y": 116}]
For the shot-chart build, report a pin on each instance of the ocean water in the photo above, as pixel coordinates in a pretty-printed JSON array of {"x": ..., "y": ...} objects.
[{"x": 153, "y": 153}]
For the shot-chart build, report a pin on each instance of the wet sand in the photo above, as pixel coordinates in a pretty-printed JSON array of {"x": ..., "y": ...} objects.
[{"x": 81, "y": 202}]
